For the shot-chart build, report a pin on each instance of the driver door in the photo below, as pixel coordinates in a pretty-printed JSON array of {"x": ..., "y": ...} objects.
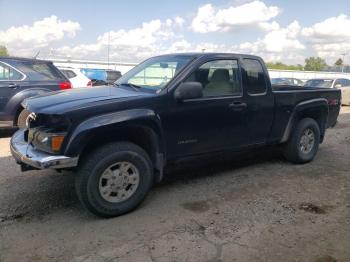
[{"x": 214, "y": 122}]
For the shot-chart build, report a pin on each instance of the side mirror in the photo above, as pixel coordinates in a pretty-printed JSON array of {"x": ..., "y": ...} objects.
[
  {"x": 188, "y": 90},
  {"x": 338, "y": 86}
]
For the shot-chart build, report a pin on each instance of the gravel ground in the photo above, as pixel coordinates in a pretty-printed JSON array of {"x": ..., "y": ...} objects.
[{"x": 252, "y": 208}]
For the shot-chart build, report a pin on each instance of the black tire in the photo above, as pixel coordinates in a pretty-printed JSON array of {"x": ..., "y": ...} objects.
[
  {"x": 22, "y": 118},
  {"x": 92, "y": 168},
  {"x": 293, "y": 151}
]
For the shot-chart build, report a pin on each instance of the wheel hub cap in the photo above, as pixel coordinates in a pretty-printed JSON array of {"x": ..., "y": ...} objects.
[
  {"x": 119, "y": 182},
  {"x": 307, "y": 141}
]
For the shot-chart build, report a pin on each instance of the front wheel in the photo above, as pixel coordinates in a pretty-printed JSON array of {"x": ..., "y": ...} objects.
[
  {"x": 114, "y": 179},
  {"x": 303, "y": 143}
]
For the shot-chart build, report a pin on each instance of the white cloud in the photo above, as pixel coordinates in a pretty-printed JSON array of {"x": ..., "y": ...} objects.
[
  {"x": 180, "y": 46},
  {"x": 334, "y": 29},
  {"x": 277, "y": 45},
  {"x": 157, "y": 37},
  {"x": 130, "y": 45},
  {"x": 179, "y": 21},
  {"x": 330, "y": 38},
  {"x": 332, "y": 51},
  {"x": 269, "y": 26},
  {"x": 212, "y": 19},
  {"x": 276, "y": 41},
  {"x": 40, "y": 34}
]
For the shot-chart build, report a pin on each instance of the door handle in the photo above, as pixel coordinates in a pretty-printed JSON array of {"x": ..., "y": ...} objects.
[
  {"x": 13, "y": 85},
  {"x": 237, "y": 106}
]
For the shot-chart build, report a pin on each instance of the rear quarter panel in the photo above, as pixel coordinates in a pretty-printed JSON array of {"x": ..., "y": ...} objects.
[
  {"x": 14, "y": 104},
  {"x": 287, "y": 99}
]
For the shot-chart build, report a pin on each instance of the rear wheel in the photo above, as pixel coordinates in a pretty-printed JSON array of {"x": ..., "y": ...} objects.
[
  {"x": 114, "y": 179},
  {"x": 303, "y": 143},
  {"x": 22, "y": 119}
]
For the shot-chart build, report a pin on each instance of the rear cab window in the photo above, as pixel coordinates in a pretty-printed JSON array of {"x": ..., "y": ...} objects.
[{"x": 254, "y": 77}]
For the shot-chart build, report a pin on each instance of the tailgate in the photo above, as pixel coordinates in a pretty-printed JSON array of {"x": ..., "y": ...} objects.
[{"x": 334, "y": 103}]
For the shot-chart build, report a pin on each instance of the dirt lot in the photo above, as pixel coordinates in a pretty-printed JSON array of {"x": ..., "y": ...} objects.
[{"x": 253, "y": 208}]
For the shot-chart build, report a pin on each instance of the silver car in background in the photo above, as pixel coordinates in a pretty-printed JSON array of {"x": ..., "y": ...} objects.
[{"x": 340, "y": 83}]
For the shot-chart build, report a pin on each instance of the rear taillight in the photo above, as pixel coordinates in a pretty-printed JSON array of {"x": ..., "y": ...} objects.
[
  {"x": 89, "y": 83},
  {"x": 333, "y": 102},
  {"x": 65, "y": 85}
]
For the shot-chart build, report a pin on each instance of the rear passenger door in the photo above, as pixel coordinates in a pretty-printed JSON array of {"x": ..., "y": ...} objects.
[
  {"x": 259, "y": 99},
  {"x": 10, "y": 81}
]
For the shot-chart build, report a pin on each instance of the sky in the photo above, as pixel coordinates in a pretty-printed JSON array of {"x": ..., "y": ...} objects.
[{"x": 279, "y": 31}]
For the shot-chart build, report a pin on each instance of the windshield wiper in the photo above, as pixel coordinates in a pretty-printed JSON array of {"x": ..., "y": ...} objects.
[
  {"x": 131, "y": 85},
  {"x": 135, "y": 87}
]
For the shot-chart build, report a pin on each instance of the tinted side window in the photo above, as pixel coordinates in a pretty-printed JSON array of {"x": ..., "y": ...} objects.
[
  {"x": 8, "y": 73},
  {"x": 40, "y": 71},
  {"x": 218, "y": 78},
  {"x": 68, "y": 73},
  {"x": 254, "y": 77}
]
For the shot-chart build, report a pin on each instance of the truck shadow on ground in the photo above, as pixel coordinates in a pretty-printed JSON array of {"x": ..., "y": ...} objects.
[
  {"x": 34, "y": 194},
  {"x": 205, "y": 166}
]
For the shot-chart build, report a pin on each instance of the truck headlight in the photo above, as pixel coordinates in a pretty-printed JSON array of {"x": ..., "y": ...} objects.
[{"x": 46, "y": 141}]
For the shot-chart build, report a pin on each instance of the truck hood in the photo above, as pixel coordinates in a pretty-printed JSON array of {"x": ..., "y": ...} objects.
[{"x": 63, "y": 101}]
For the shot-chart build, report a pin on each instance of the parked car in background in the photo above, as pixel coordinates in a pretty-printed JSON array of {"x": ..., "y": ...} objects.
[
  {"x": 287, "y": 81},
  {"x": 121, "y": 138},
  {"x": 96, "y": 82},
  {"x": 21, "y": 78},
  {"x": 101, "y": 77},
  {"x": 112, "y": 76},
  {"x": 340, "y": 83},
  {"x": 76, "y": 77}
]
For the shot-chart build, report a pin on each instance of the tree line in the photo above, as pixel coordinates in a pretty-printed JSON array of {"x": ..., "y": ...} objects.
[{"x": 311, "y": 64}]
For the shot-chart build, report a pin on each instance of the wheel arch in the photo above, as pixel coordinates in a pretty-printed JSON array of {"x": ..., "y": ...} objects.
[
  {"x": 14, "y": 105},
  {"x": 316, "y": 109},
  {"x": 142, "y": 128}
]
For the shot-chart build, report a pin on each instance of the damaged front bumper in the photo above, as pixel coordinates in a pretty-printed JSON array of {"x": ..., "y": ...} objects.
[{"x": 30, "y": 158}]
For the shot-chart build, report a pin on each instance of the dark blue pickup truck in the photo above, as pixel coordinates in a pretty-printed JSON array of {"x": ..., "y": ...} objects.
[
  {"x": 119, "y": 139},
  {"x": 21, "y": 78}
]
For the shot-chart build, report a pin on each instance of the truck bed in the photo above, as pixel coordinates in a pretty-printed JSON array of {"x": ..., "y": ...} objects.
[{"x": 287, "y": 97}]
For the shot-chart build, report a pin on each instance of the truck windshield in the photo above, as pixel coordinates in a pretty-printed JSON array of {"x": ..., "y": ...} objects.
[
  {"x": 155, "y": 72},
  {"x": 325, "y": 83}
]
